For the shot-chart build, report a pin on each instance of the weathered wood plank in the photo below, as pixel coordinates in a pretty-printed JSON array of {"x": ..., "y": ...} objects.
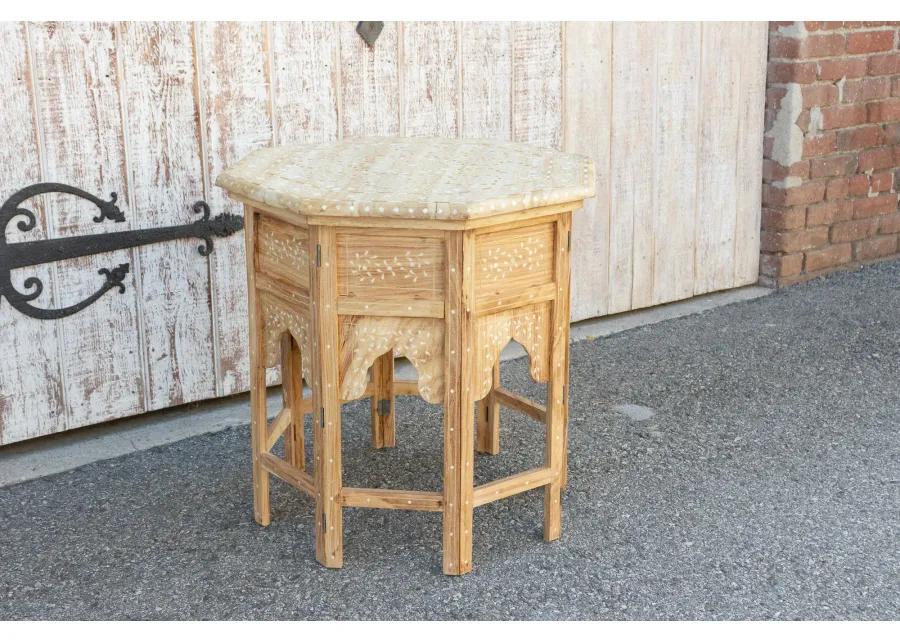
[
  {"x": 586, "y": 129},
  {"x": 31, "y": 390},
  {"x": 77, "y": 83},
  {"x": 631, "y": 180},
  {"x": 720, "y": 91},
  {"x": 537, "y": 83},
  {"x": 305, "y": 82},
  {"x": 674, "y": 161},
  {"x": 486, "y": 72},
  {"x": 234, "y": 94},
  {"x": 370, "y": 85},
  {"x": 750, "y": 153},
  {"x": 430, "y": 79},
  {"x": 166, "y": 179}
]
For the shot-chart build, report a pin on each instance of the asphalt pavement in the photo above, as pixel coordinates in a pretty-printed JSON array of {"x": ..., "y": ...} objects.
[{"x": 741, "y": 463}]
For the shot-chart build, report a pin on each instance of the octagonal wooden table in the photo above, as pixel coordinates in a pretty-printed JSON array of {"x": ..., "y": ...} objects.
[{"x": 438, "y": 250}]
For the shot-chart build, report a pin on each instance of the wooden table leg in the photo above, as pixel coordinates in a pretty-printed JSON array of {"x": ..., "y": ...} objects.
[
  {"x": 459, "y": 438},
  {"x": 554, "y": 451},
  {"x": 487, "y": 412},
  {"x": 258, "y": 414},
  {"x": 292, "y": 394},
  {"x": 326, "y": 399},
  {"x": 383, "y": 419}
]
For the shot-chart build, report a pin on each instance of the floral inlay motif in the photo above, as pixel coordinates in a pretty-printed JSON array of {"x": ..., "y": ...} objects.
[{"x": 411, "y": 267}]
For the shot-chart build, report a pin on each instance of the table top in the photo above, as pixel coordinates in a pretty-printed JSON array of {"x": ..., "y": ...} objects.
[{"x": 418, "y": 178}]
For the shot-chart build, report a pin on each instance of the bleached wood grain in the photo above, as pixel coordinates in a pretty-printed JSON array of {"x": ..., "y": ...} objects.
[
  {"x": 31, "y": 391},
  {"x": 77, "y": 86},
  {"x": 304, "y": 82},
  {"x": 430, "y": 73},
  {"x": 163, "y": 143},
  {"x": 720, "y": 90},
  {"x": 586, "y": 129},
  {"x": 237, "y": 120},
  {"x": 537, "y": 83},
  {"x": 750, "y": 153},
  {"x": 631, "y": 181},
  {"x": 370, "y": 90},
  {"x": 485, "y": 54},
  {"x": 674, "y": 169}
]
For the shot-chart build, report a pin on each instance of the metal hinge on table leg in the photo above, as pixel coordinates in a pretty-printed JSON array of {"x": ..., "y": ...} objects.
[
  {"x": 318, "y": 255},
  {"x": 322, "y": 417},
  {"x": 384, "y": 407},
  {"x": 569, "y": 242}
]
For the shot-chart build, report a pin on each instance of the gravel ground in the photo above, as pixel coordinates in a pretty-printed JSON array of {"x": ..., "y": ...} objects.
[{"x": 743, "y": 463}]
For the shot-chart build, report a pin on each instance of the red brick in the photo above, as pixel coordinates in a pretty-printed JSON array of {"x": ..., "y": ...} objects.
[
  {"x": 794, "y": 240},
  {"x": 884, "y": 64},
  {"x": 843, "y": 116},
  {"x": 876, "y": 247},
  {"x": 860, "y": 90},
  {"x": 881, "y": 23},
  {"x": 781, "y": 265},
  {"x": 783, "y": 219},
  {"x": 875, "y": 205},
  {"x": 866, "y": 42},
  {"x": 889, "y": 224},
  {"x": 782, "y": 72},
  {"x": 859, "y": 185},
  {"x": 822, "y": 46},
  {"x": 774, "y": 171},
  {"x": 820, "y": 95},
  {"x": 832, "y": 166},
  {"x": 803, "y": 120},
  {"x": 860, "y": 137},
  {"x": 837, "y": 189},
  {"x": 895, "y": 86},
  {"x": 884, "y": 111},
  {"x": 853, "y": 230},
  {"x": 784, "y": 47},
  {"x": 824, "y": 143},
  {"x": 838, "y": 68},
  {"x": 828, "y": 257},
  {"x": 881, "y": 182},
  {"x": 821, "y": 25},
  {"x": 876, "y": 159},
  {"x": 829, "y": 212}
]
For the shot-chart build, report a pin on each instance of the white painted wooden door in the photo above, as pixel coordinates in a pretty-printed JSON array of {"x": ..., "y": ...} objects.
[{"x": 671, "y": 112}]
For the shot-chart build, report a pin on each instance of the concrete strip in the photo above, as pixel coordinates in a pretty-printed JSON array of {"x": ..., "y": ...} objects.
[{"x": 66, "y": 451}]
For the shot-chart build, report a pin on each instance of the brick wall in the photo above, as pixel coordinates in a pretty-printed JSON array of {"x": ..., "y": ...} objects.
[{"x": 831, "y": 171}]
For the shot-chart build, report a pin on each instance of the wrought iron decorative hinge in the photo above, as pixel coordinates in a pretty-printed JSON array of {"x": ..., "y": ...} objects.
[{"x": 32, "y": 253}]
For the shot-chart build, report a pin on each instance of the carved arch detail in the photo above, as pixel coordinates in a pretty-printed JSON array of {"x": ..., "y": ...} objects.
[
  {"x": 420, "y": 340},
  {"x": 278, "y": 320},
  {"x": 529, "y": 325}
]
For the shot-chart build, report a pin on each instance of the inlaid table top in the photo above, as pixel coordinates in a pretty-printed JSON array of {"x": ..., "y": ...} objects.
[{"x": 419, "y": 178}]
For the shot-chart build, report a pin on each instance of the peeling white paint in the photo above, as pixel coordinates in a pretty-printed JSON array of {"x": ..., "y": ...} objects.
[
  {"x": 840, "y": 87},
  {"x": 787, "y": 136},
  {"x": 795, "y": 30}
]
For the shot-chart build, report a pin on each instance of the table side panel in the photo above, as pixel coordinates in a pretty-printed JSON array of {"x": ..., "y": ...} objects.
[{"x": 391, "y": 274}]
